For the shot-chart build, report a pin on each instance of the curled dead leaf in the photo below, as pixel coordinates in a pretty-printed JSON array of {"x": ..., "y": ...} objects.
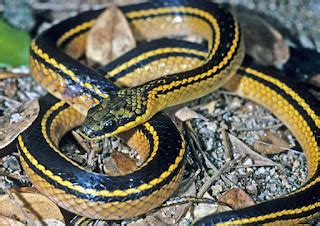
[
  {"x": 119, "y": 164},
  {"x": 262, "y": 41},
  {"x": 209, "y": 106},
  {"x": 185, "y": 114},
  {"x": 109, "y": 38},
  {"x": 236, "y": 198}
]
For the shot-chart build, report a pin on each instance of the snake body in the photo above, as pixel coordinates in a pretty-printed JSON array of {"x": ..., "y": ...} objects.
[{"x": 114, "y": 110}]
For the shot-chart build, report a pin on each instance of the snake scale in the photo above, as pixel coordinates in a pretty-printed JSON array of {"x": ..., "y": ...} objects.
[{"x": 93, "y": 100}]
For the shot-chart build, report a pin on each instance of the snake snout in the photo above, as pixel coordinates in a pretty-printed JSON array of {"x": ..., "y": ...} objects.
[{"x": 103, "y": 119}]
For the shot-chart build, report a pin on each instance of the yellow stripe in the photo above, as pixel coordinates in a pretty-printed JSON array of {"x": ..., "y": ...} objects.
[
  {"x": 182, "y": 9},
  {"x": 81, "y": 189},
  {"x": 272, "y": 215},
  {"x": 65, "y": 70},
  {"x": 75, "y": 30},
  {"x": 289, "y": 91},
  {"x": 149, "y": 54}
]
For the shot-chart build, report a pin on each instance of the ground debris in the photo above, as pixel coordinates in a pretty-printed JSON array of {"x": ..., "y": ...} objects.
[{"x": 14, "y": 124}]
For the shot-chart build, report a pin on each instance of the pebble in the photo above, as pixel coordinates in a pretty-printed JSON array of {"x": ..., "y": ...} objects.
[
  {"x": 242, "y": 171},
  {"x": 252, "y": 188},
  {"x": 233, "y": 178},
  {"x": 261, "y": 171},
  {"x": 248, "y": 162},
  {"x": 12, "y": 164},
  {"x": 273, "y": 187},
  {"x": 19, "y": 14},
  {"x": 216, "y": 189}
]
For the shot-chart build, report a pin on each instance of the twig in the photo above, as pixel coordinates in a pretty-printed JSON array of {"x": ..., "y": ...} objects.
[
  {"x": 7, "y": 74},
  {"x": 193, "y": 148},
  {"x": 226, "y": 143},
  {"x": 210, "y": 180},
  {"x": 255, "y": 165},
  {"x": 16, "y": 177}
]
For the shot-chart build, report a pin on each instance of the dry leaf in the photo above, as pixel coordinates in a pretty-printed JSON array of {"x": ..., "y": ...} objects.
[
  {"x": 109, "y": 38},
  {"x": 37, "y": 207},
  {"x": 244, "y": 149},
  {"x": 262, "y": 41},
  {"x": 222, "y": 208},
  {"x": 236, "y": 198},
  {"x": 185, "y": 114},
  {"x": 209, "y": 106},
  {"x": 16, "y": 123},
  {"x": 271, "y": 143},
  {"x": 119, "y": 164}
]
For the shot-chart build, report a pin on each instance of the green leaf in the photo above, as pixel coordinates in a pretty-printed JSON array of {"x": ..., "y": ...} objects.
[{"x": 14, "y": 46}]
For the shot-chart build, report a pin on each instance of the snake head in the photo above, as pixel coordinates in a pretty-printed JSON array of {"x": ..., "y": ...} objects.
[{"x": 118, "y": 113}]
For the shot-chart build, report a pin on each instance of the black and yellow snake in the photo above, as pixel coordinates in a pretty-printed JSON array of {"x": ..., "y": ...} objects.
[{"x": 81, "y": 88}]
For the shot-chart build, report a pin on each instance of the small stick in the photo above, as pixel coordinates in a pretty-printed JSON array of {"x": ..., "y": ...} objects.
[
  {"x": 209, "y": 180},
  {"x": 226, "y": 143},
  {"x": 7, "y": 74},
  {"x": 16, "y": 177}
]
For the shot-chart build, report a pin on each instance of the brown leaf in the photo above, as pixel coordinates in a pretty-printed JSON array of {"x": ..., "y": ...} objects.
[
  {"x": 244, "y": 149},
  {"x": 209, "y": 106},
  {"x": 36, "y": 206},
  {"x": 271, "y": 143},
  {"x": 109, "y": 38},
  {"x": 119, "y": 164},
  {"x": 16, "y": 123},
  {"x": 236, "y": 198},
  {"x": 185, "y": 114},
  {"x": 262, "y": 41}
]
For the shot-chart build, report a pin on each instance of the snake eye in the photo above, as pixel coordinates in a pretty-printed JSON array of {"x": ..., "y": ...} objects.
[{"x": 110, "y": 125}]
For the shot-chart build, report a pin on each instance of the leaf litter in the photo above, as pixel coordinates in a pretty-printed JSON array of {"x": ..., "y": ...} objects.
[{"x": 227, "y": 135}]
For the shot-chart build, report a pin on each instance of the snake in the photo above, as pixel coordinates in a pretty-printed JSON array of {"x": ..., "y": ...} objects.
[{"x": 104, "y": 102}]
